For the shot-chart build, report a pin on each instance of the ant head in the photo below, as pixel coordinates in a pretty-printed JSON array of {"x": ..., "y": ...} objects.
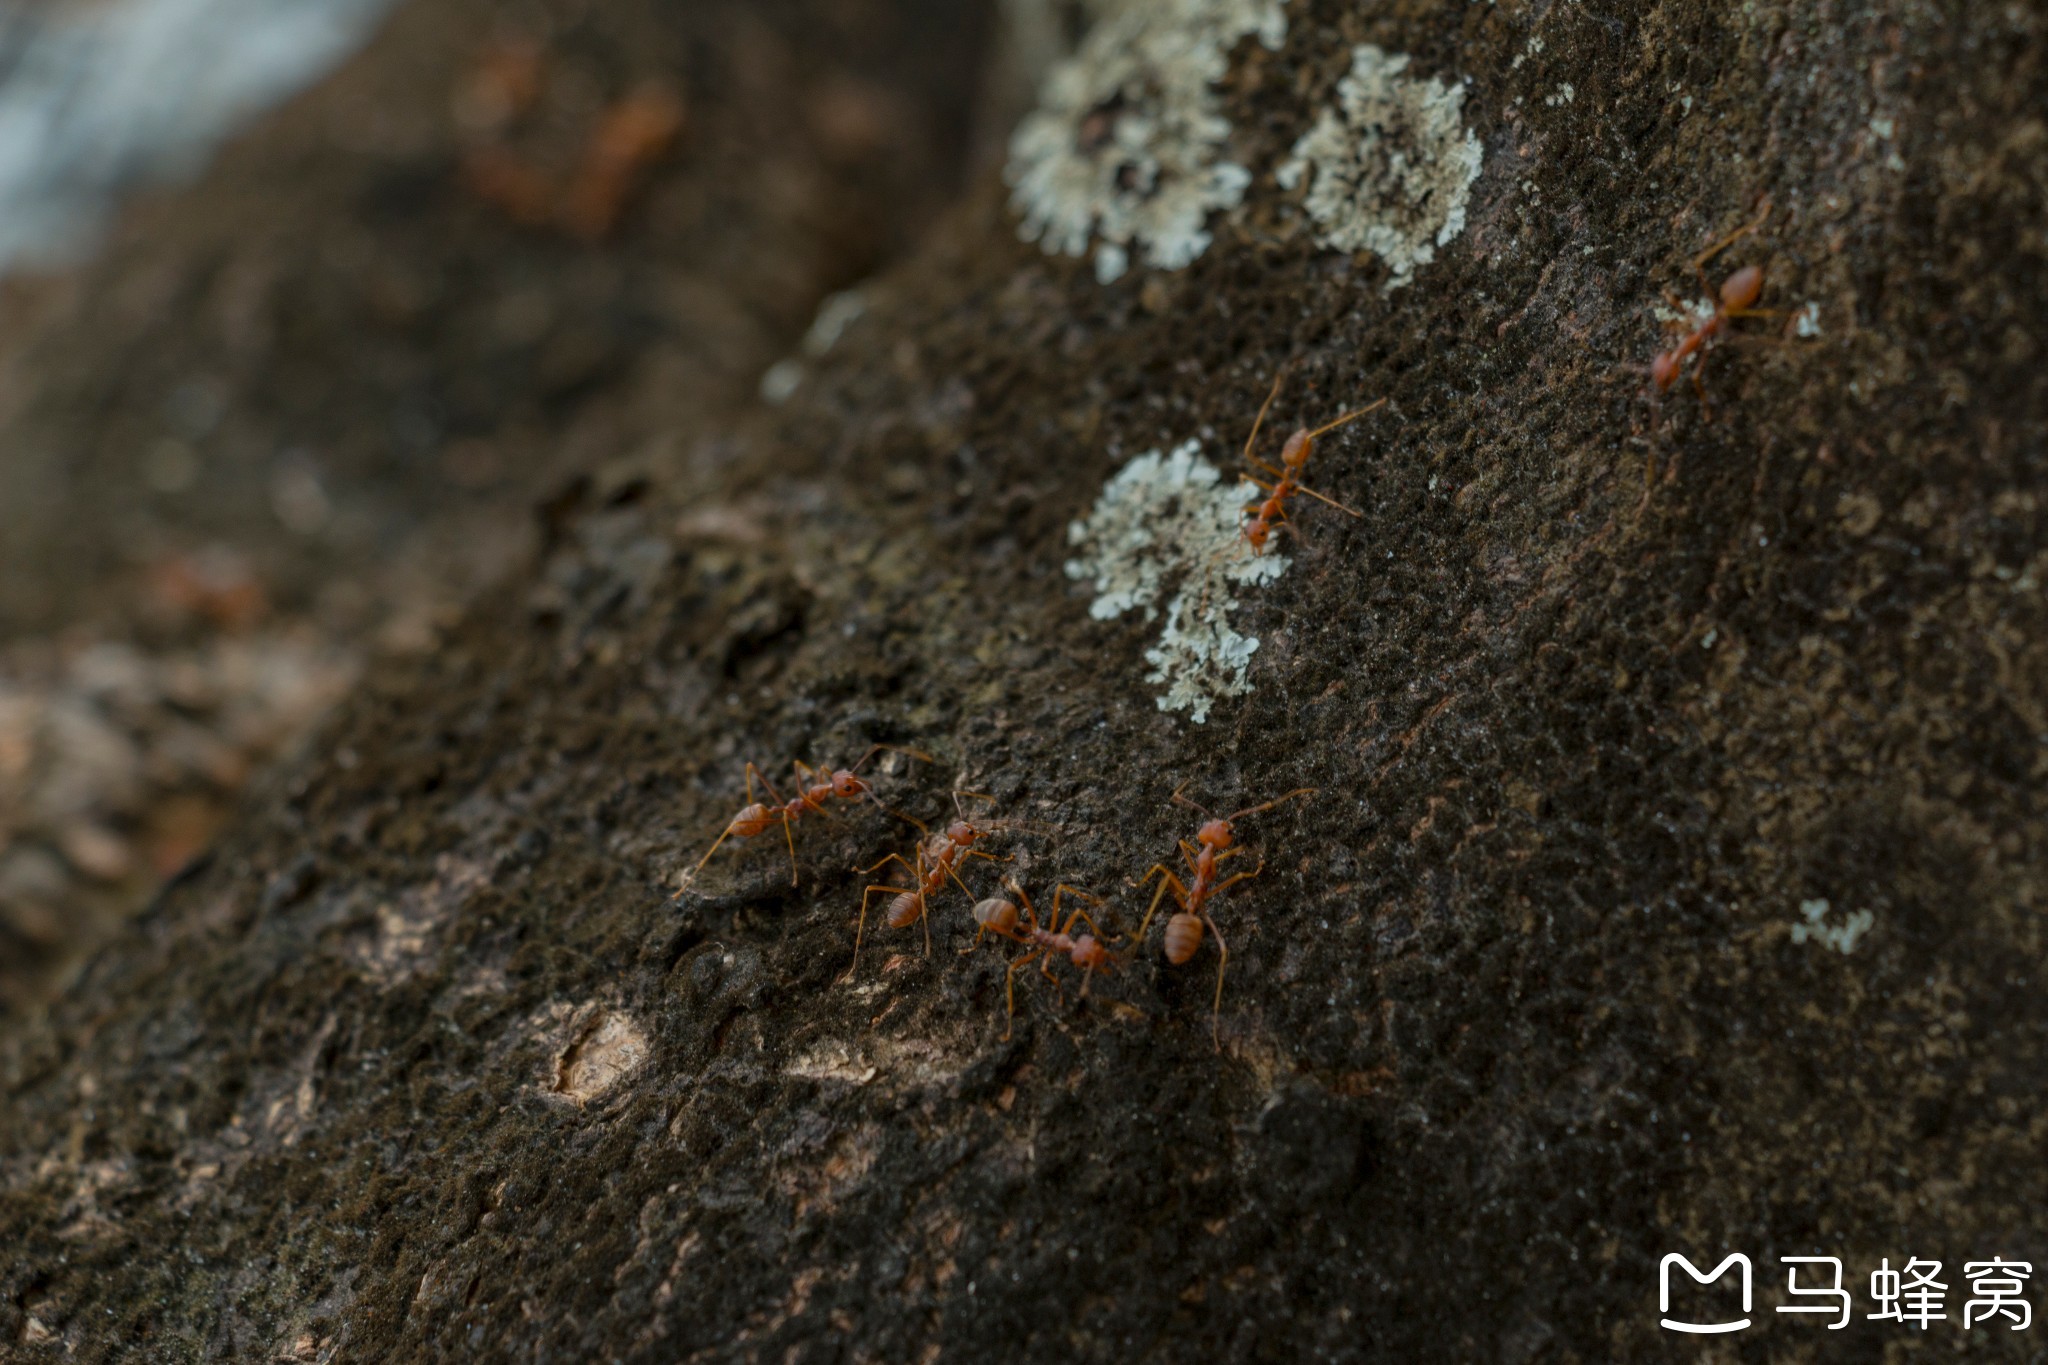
[
  {"x": 1741, "y": 289},
  {"x": 1216, "y": 834},
  {"x": 847, "y": 786},
  {"x": 962, "y": 833},
  {"x": 1664, "y": 371},
  {"x": 1297, "y": 450},
  {"x": 1088, "y": 951}
]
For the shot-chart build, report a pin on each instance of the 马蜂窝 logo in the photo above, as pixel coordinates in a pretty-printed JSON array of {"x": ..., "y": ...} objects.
[{"x": 1664, "y": 1292}]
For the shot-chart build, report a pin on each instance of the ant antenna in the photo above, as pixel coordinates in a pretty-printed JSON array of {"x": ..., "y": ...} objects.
[
  {"x": 874, "y": 749},
  {"x": 1254, "y": 810},
  {"x": 1347, "y": 417},
  {"x": 961, "y": 810},
  {"x": 922, "y": 827}
]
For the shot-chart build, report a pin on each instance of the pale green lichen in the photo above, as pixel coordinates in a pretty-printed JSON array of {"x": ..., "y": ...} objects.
[
  {"x": 1392, "y": 164},
  {"x": 1168, "y": 523},
  {"x": 1126, "y": 148},
  {"x": 1841, "y": 937}
]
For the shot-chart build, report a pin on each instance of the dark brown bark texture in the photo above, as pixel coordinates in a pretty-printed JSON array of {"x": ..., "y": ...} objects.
[{"x": 432, "y": 1060}]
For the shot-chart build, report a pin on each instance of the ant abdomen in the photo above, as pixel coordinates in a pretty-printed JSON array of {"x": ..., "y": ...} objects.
[
  {"x": 1742, "y": 289},
  {"x": 904, "y": 910},
  {"x": 755, "y": 819},
  {"x": 996, "y": 915},
  {"x": 1183, "y": 938}
]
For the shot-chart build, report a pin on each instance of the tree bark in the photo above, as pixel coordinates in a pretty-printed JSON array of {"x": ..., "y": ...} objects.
[{"x": 1670, "y": 883}]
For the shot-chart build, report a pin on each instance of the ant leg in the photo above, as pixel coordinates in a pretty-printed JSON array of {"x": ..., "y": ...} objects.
[
  {"x": 950, "y": 872},
  {"x": 1260, "y": 420},
  {"x": 1030, "y": 910},
  {"x": 789, "y": 835},
  {"x": 1010, "y": 990},
  {"x": 1231, "y": 881},
  {"x": 1700, "y": 261},
  {"x": 1079, "y": 914},
  {"x": 892, "y": 858},
  {"x": 1083, "y": 917},
  {"x": 1010, "y": 934},
  {"x": 1322, "y": 498},
  {"x": 1222, "y": 961},
  {"x": 972, "y": 853},
  {"x": 923, "y": 908},
  {"x": 861, "y": 931},
  {"x": 924, "y": 917},
  {"x": 753, "y": 774},
  {"x": 1167, "y": 882},
  {"x": 713, "y": 849}
]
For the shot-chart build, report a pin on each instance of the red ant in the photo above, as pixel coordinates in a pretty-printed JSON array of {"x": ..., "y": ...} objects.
[
  {"x": 818, "y": 787},
  {"x": 1735, "y": 298},
  {"x": 999, "y": 916},
  {"x": 938, "y": 858},
  {"x": 1272, "y": 510},
  {"x": 1214, "y": 842}
]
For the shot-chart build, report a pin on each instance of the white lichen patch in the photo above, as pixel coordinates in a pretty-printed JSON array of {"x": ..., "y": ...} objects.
[
  {"x": 1127, "y": 146},
  {"x": 1169, "y": 523},
  {"x": 607, "y": 1048},
  {"x": 1393, "y": 164},
  {"x": 1841, "y": 937},
  {"x": 832, "y": 1061},
  {"x": 780, "y": 380},
  {"x": 837, "y": 313},
  {"x": 1806, "y": 322},
  {"x": 1687, "y": 316}
]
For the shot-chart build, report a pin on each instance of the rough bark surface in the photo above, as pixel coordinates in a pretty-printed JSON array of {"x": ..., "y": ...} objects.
[{"x": 434, "y": 1060}]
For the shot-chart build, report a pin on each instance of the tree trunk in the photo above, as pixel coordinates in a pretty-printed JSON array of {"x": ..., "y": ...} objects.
[{"x": 1670, "y": 880}]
